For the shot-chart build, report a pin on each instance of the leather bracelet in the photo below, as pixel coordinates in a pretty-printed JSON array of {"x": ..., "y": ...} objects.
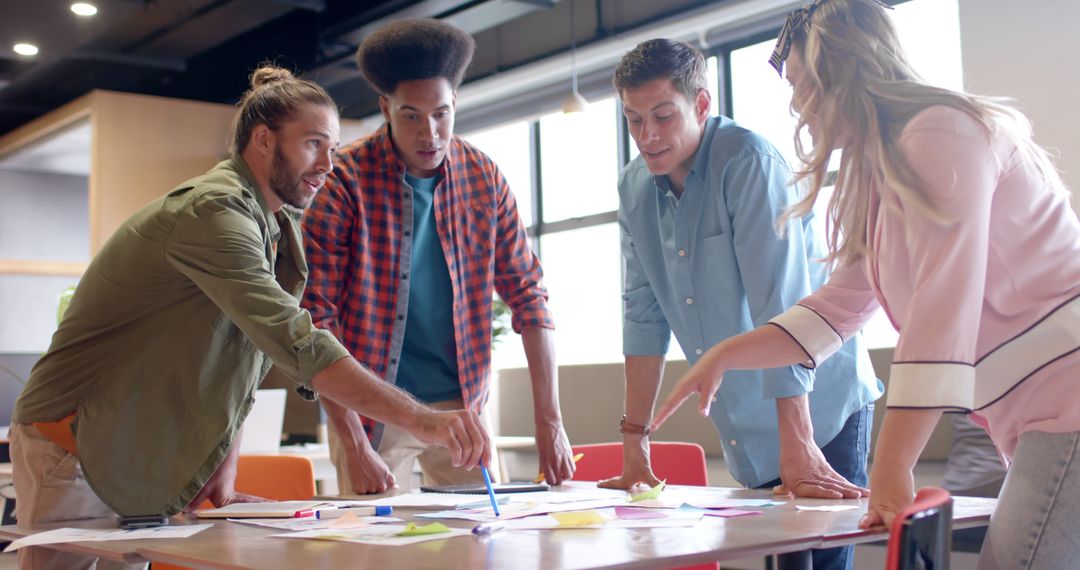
[{"x": 632, "y": 428}]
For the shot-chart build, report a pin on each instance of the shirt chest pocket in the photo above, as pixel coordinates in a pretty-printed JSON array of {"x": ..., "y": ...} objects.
[
  {"x": 480, "y": 224},
  {"x": 715, "y": 267}
]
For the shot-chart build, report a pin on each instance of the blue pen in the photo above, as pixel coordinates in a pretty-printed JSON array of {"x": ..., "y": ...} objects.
[{"x": 491, "y": 492}]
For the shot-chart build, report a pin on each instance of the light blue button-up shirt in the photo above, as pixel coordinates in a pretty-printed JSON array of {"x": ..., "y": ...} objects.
[{"x": 709, "y": 265}]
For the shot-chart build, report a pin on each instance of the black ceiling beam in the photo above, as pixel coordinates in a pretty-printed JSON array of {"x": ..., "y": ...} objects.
[
  {"x": 166, "y": 64},
  {"x": 310, "y": 5}
]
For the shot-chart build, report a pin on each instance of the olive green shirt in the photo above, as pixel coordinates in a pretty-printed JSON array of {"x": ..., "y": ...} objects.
[{"x": 171, "y": 330}]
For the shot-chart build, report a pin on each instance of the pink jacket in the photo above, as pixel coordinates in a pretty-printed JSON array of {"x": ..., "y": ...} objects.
[{"x": 988, "y": 307}]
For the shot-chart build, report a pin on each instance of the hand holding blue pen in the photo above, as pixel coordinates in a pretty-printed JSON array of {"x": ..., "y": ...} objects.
[{"x": 491, "y": 492}]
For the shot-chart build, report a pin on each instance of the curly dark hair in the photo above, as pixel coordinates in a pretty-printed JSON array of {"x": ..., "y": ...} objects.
[
  {"x": 414, "y": 49},
  {"x": 662, "y": 58}
]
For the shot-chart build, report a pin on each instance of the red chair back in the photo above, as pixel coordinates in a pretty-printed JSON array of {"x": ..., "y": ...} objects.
[
  {"x": 676, "y": 462},
  {"x": 921, "y": 535}
]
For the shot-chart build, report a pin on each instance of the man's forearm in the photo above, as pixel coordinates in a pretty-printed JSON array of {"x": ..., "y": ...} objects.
[
  {"x": 543, "y": 371},
  {"x": 643, "y": 376},
  {"x": 352, "y": 386}
]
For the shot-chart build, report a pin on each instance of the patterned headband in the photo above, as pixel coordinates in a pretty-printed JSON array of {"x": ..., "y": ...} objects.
[{"x": 798, "y": 20}]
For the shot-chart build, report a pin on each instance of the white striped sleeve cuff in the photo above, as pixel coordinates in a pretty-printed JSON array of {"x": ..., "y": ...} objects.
[
  {"x": 931, "y": 385},
  {"x": 813, "y": 333}
]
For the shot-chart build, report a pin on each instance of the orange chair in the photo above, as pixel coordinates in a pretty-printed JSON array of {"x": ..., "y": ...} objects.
[
  {"x": 921, "y": 536},
  {"x": 274, "y": 477},
  {"x": 676, "y": 462}
]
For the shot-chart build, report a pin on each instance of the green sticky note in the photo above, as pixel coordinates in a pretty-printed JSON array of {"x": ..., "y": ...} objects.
[
  {"x": 649, "y": 495},
  {"x": 434, "y": 528}
]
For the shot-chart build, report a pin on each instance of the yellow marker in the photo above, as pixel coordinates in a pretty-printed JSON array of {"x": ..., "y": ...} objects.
[{"x": 540, "y": 477}]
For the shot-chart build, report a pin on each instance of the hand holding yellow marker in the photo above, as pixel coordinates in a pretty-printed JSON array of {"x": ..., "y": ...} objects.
[{"x": 540, "y": 477}]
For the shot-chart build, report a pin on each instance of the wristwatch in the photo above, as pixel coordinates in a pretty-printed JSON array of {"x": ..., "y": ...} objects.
[{"x": 636, "y": 429}]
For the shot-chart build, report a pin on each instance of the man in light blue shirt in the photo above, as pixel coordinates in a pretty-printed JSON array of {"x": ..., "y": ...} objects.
[{"x": 704, "y": 259}]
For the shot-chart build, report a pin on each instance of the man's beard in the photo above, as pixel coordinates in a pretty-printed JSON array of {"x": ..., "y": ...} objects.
[{"x": 287, "y": 185}]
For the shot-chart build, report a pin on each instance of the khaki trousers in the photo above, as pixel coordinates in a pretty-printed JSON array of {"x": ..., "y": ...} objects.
[
  {"x": 400, "y": 451},
  {"x": 50, "y": 487}
]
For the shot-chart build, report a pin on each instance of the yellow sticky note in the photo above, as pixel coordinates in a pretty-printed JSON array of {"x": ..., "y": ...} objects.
[
  {"x": 434, "y": 528},
  {"x": 578, "y": 518},
  {"x": 651, "y": 494}
]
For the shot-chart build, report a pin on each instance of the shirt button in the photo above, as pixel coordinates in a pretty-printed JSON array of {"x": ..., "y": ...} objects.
[
  {"x": 689, "y": 300},
  {"x": 733, "y": 443},
  {"x": 698, "y": 352},
  {"x": 404, "y": 275},
  {"x": 408, "y": 233},
  {"x": 393, "y": 361},
  {"x": 682, "y": 253},
  {"x": 401, "y": 317}
]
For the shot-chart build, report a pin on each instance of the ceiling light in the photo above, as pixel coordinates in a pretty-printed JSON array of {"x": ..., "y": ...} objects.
[
  {"x": 574, "y": 102},
  {"x": 25, "y": 49},
  {"x": 84, "y": 8}
]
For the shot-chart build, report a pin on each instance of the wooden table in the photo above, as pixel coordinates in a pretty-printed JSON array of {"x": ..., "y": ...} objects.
[{"x": 779, "y": 530}]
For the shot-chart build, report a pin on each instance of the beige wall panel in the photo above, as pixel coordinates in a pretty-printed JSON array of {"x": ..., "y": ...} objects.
[{"x": 143, "y": 147}]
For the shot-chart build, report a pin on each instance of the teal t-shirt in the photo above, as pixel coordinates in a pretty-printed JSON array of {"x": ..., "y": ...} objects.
[{"x": 428, "y": 368}]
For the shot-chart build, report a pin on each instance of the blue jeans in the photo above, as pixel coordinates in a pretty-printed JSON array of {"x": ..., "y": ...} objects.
[
  {"x": 1038, "y": 512},
  {"x": 846, "y": 453}
]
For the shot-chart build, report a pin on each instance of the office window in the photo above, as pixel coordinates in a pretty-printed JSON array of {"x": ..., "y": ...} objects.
[
  {"x": 713, "y": 75},
  {"x": 508, "y": 146},
  {"x": 760, "y": 100},
  {"x": 582, "y": 269},
  {"x": 579, "y": 162}
]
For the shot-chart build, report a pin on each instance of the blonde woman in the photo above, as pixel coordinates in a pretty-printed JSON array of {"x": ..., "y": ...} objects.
[{"x": 950, "y": 218}]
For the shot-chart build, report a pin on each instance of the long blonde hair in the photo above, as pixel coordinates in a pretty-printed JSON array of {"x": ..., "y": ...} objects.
[{"x": 861, "y": 93}]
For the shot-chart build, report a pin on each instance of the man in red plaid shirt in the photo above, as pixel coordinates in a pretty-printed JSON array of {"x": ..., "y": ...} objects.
[{"x": 414, "y": 233}]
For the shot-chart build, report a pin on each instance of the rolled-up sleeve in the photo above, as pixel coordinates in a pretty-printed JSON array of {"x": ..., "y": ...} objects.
[
  {"x": 646, "y": 331},
  {"x": 219, "y": 246}
]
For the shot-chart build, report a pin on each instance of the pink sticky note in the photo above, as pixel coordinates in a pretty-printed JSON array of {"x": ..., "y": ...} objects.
[{"x": 635, "y": 513}]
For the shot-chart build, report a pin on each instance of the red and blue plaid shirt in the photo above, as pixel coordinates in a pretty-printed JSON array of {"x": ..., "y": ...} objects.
[{"x": 358, "y": 235}]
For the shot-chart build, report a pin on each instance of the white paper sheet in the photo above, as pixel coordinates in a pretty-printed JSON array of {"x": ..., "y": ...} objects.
[
  {"x": 827, "y": 508},
  {"x": 520, "y": 510},
  {"x": 457, "y": 500},
  {"x": 62, "y": 535},
  {"x": 674, "y": 518},
  {"x": 314, "y": 523},
  {"x": 381, "y": 534}
]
